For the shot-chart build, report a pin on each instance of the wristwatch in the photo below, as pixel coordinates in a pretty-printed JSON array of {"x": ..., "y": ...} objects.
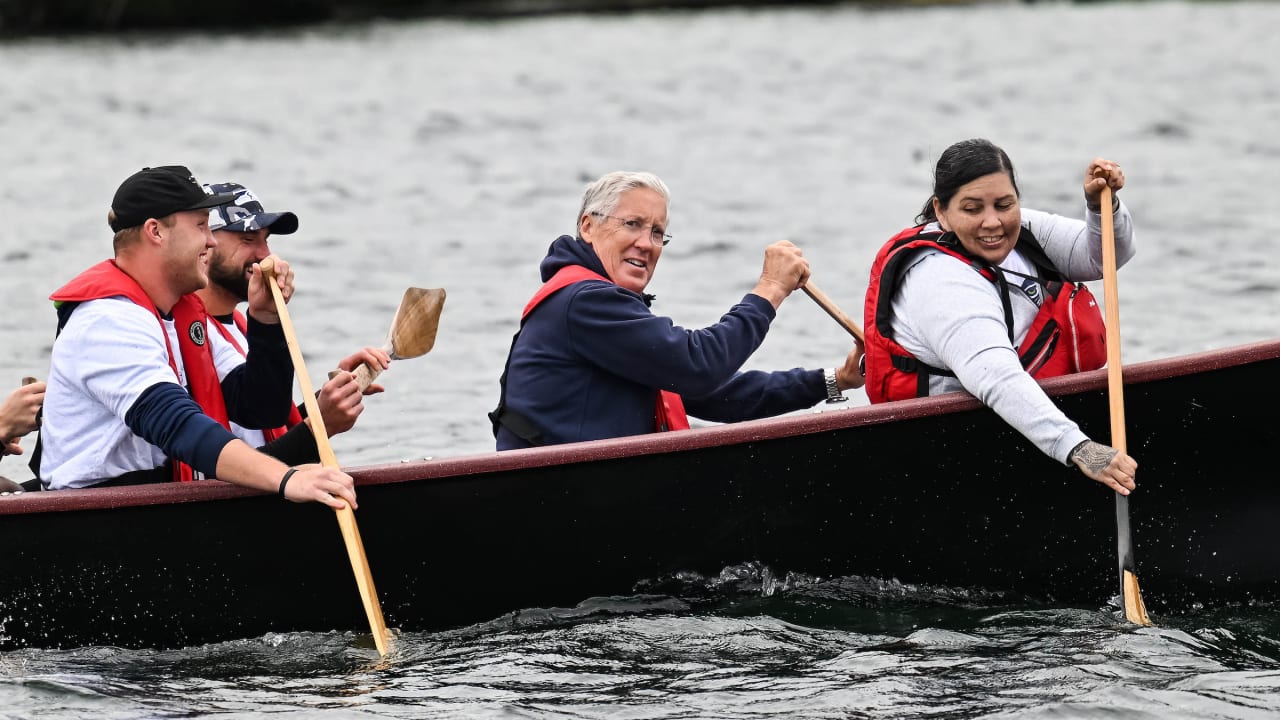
[{"x": 833, "y": 390}]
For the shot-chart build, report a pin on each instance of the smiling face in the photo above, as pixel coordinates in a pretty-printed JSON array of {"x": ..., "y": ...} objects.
[
  {"x": 985, "y": 216},
  {"x": 186, "y": 250},
  {"x": 629, "y": 254},
  {"x": 233, "y": 256}
]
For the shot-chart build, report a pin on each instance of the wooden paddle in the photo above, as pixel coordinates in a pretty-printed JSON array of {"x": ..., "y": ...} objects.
[
  {"x": 413, "y": 330},
  {"x": 346, "y": 518},
  {"x": 1134, "y": 609},
  {"x": 825, "y": 303}
]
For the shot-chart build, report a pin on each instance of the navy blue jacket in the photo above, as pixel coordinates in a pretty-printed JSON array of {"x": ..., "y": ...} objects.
[{"x": 589, "y": 360}]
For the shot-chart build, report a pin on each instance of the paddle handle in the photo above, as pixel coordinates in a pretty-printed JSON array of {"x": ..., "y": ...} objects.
[
  {"x": 316, "y": 419},
  {"x": 831, "y": 309},
  {"x": 28, "y": 380},
  {"x": 1110, "y": 294},
  {"x": 365, "y": 375},
  {"x": 346, "y": 518},
  {"x": 364, "y": 372}
]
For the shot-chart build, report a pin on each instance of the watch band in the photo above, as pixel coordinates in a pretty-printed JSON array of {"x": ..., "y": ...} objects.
[{"x": 833, "y": 390}]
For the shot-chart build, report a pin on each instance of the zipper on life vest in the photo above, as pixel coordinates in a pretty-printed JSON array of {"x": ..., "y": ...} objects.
[
  {"x": 1071, "y": 323},
  {"x": 1045, "y": 352},
  {"x": 1038, "y": 354}
]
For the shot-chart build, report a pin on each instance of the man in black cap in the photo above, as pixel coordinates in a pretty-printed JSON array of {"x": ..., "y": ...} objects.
[
  {"x": 134, "y": 392},
  {"x": 240, "y": 232}
]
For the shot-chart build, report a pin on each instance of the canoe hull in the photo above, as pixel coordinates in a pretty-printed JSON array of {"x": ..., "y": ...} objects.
[{"x": 937, "y": 491}]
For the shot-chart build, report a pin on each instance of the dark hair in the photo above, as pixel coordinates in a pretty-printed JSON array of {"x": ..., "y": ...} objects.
[{"x": 961, "y": 164}]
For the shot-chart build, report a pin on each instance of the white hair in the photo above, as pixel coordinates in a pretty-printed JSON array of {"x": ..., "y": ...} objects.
[{"x": 603, "y": 195}]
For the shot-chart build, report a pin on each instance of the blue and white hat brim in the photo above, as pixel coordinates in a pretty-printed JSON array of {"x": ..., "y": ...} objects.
[
  {"x": 245, "y": 212},
  {"x": 282, "y": 223}
]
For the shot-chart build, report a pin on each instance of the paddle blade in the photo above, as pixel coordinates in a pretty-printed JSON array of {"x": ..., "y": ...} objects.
[
  {"x": 413, "y": 331},
  {"x": 364, "y": 578},
  {"x": 1134, "y": 609}
]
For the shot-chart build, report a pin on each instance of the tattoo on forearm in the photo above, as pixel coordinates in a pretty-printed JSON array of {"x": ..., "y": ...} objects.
[{"x": 1094, "y": 457}]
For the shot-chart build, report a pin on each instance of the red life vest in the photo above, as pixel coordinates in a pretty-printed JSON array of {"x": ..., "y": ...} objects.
[
  {"x": 106, "y": 280},
  {"x": 669, "y": 411},
  {"x": 1067, "y": 334},
  {"x": 295, "y": 416}
]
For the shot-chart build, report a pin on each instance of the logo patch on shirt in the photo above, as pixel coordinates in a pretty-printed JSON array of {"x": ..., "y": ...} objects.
[
  {"x": 1033, "y": 291},
  {"x": 196, "y": 333}
]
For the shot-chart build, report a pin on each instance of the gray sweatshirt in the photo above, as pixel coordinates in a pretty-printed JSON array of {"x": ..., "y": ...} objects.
[{"x": 951, "y": 317}]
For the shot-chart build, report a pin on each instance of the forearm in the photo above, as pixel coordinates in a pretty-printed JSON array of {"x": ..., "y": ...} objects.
[
  {"x": 1122, "y": 225},
  {"x": 295, "y": 447},
  {"x": 755, "y": 394},
  {"x": 165, "y": 416},
  {"x": 259, "y": 392},
  {"x": 650, "y": 350},
  {"x": 998, "y": 380},
  {"x": 1075, "y": 246},
  {"x": 240, "y": 464},
  {"x": 773, "y": 292},
  {"x": 974, "y": 345}
]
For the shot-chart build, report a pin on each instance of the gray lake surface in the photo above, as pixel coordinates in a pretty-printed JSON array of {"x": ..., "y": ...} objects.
[{"x": 450, "y": 153}]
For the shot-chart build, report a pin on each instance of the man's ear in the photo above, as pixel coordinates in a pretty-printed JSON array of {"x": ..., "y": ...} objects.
[
  {"x": 151, "y": 231},
  {"x": 587, "y": 227}
]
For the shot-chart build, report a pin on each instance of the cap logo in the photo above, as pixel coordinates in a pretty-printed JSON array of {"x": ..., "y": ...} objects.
[
  {"x": 235, "y": 213},
  {"x": 196, "y": 333}
]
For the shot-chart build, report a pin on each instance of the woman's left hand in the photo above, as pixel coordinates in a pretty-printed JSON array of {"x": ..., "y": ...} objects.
[{"x": 1101, "y": 173}]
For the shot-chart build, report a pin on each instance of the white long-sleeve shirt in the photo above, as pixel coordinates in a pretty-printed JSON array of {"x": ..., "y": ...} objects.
[{"x": 949, "y": 316}]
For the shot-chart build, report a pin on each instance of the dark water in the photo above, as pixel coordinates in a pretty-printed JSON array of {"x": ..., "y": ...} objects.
[
  {"x": 448, "y": 154},
  {"x": 837, "y": 649}
]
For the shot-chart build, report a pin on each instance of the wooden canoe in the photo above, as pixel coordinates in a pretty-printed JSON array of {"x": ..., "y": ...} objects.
[{"x": 935, "y": 491}]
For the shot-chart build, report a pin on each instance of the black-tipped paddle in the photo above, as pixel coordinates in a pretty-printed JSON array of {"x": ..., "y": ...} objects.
[{"x": 1130, "y": 596}]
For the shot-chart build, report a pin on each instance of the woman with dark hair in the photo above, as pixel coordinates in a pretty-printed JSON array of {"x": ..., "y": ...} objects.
[{"x": 985, "y": 296}]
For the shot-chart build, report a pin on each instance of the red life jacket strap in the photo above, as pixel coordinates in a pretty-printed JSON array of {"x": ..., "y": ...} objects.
[
  {"x": 295, "y": 417},
  {"x": 669, "y": 413}
]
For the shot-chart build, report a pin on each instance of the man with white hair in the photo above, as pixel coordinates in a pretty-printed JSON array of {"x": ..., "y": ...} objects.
[{"x": 592, "y": 361}]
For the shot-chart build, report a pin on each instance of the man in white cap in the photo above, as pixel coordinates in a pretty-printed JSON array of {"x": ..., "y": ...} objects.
[{"x": 241, "y": 229}]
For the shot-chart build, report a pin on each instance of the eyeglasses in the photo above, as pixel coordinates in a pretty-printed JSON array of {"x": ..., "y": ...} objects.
[{"x": 657, "y": 235}]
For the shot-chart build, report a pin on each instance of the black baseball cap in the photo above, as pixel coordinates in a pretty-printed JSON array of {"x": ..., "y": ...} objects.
[{"x": 157, "y": 192}]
